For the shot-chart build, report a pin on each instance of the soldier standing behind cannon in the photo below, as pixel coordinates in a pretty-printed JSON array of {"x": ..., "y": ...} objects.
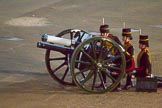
[
  {"x": 129, "y": 54},
  {"x": 144, "y": 58},
  {"x": 104, "y": 30}
]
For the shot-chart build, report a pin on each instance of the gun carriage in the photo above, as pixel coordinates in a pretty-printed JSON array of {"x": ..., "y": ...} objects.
[{"x": 75, "y": 57}]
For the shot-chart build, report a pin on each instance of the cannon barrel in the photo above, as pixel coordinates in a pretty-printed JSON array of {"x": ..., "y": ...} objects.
[
  {"x": 55, "y": 47},
  {"x": 57, "y": 40}
]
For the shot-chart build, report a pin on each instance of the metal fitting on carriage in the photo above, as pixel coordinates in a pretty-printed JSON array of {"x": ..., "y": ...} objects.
[
  {"x": 134, "y": 71},
  {"x": 44, "y": 37}
]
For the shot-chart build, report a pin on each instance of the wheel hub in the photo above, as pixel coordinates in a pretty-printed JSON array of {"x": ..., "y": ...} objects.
[{"x": 99, "y": 65}]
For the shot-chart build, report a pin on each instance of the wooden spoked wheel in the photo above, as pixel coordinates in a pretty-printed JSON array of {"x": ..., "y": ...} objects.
[
  {"x": 57, "y": 63},
  {"x": 97, "y": 65}
]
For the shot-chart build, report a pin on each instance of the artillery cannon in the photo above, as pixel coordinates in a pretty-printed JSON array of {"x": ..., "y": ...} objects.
[{"x": 75, "y": 57}]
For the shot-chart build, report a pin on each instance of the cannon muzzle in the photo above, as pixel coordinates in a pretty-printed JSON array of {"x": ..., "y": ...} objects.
[{"x": 55, "y": 47}]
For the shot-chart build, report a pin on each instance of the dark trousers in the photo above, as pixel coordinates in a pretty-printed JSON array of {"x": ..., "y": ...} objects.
[{"x": 128, "y": 80}]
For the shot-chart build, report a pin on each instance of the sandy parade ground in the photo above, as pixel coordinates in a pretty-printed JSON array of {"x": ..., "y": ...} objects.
[{"x": 24, "y": 80}]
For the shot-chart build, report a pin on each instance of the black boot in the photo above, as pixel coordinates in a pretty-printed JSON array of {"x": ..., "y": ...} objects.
[{"x": 128, "y": 82}]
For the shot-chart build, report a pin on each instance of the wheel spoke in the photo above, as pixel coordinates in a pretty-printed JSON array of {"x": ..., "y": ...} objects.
[
  {"x": 83, "y": 62},
  {"x": 82, "y": 35},
  {"x": 102, "y": 81},
  {"x": 104, "y": 55},
  {"x": 59, "y": 67},
  {"x": 93, "y": 50},
  {"x": 61, "y": 58},
  {"x": 92, "y": 60},
  {"x": 101, "y": 51},
  {"x": 94, "y": 80},
  {"x": 114, "y": 68},
  {"x": 82, "y": 71},
  {"x": 113, "y": 58},
  {"x": 110, "y": 76},
  {"x": 66, "y": 71},
  {"x": 90, "y": 74}
]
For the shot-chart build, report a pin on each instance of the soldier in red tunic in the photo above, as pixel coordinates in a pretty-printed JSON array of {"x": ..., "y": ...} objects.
[{"x": 129, "y": 54}]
